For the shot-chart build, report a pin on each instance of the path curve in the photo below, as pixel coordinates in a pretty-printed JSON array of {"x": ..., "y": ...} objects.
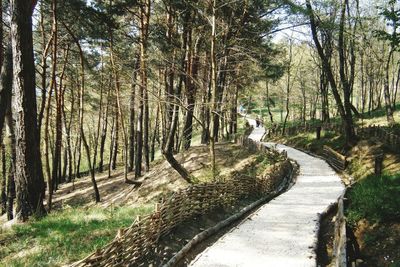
[{"x": 284, "y": 231}]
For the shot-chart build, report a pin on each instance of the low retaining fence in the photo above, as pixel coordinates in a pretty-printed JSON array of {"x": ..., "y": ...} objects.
[
  {"x": 340, "y": 236},
  {"x": 136, "y": 241},
  {"x": 386, "y": 137},
  {"x": 334, "y": 158}
]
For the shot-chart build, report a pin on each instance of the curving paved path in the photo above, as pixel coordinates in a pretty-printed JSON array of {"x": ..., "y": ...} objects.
[{"x": 282, "y": 232}]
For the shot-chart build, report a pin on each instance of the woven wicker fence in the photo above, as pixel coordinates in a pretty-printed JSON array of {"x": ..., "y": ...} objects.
[{"x": 136, "y": 241}]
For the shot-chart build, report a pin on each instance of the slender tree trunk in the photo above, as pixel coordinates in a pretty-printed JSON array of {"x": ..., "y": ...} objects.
[
  {"x": 6, "y": 80},
  {"x": 168, "y": 149},
  {"x": 3, "y": 191},
  {"x": 192, "y": 70},
  {"x": 139, "y": 136},
  {"x": 111, "y": 147},
  {"x": 132, "y": 117},
  {"x": 268, "y": 102},
  {"x": 45, "y": 51},
  {"x": 388, "y": 104},
  {"x": 288, "y": 85},
  {"x": 58, "y": 141},
  {"x": 67, "y": 127},
  {"x": 154, "y": 136},
  {"x": 99, "y": 118},
  {"x": 115, "y": 143},
  {"x": 144, "y": 32},
  {"x": 396, "y": 89},
  {"x": 119, "y": 110},
  {"x": 81, "y": 108},
  {"x": 206, "y": 117},
  {"x": 213, "y": 103}
]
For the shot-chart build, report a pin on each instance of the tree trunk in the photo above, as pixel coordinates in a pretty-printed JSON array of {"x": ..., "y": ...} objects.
[
  {"x": 213, "y": 103},
  {"x": 28, "y": 176},
  {"x": 81, "y": 108},
  {"x": 343, "y": 107},
  {"x": 11, "y": 172},
  {"x": 144, "y": 33},
  {"x": 119, "y": 110},
  {"x": 6, "y": 80},
  {"x": 192, "y": 71},
  {"x": 58, "y": 141},
  {"x": 3, "y": 191},
  {"x": 288, "y": 85},
  {"x": 154, "y": 136},
  {"x": 132, "y": 118},
  {"x": 104, "y": 132},
  {"x": 168, "y": 149},
  {"x": 139, "y": 136},
  {"x": 115, "y": 139},
  {"x": 388, "y": 104}
]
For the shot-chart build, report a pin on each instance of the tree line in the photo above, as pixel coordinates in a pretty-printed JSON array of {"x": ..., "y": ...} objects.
[{"x": 89, "y": 85}]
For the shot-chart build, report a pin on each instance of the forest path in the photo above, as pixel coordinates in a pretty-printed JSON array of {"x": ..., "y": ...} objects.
[{"x": 284, "y": 231}]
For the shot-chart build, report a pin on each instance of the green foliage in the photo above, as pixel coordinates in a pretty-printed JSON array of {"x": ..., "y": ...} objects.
[
  {"x": 375, "y": 198},
  {"x": 392, "y": 17},
  {"x": 64, "y": 236}
]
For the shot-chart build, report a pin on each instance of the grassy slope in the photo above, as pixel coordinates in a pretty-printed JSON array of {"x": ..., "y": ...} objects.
[{"x": 64, "y": 236}]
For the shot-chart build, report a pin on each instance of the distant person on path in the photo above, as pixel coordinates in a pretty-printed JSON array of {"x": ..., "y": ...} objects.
[
  {"x": 241, "y": 109},
  {"x": 258, "y": 121}
]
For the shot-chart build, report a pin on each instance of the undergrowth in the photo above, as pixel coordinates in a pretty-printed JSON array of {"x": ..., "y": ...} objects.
[
  {"x": 64, "y": 236},
  {"x": 375, "y": 198}
]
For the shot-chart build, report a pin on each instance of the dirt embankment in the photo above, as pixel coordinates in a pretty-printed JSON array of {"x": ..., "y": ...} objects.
[{"x": 159, "y": 181}]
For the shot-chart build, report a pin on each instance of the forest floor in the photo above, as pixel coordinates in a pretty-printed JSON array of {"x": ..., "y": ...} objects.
[
  {"x": 373, "y": 207},
  {"x": 78, "y": 226}
]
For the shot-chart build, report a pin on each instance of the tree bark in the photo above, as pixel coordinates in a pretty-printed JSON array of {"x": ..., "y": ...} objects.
[
  {"x": 11, "y": 172},
  {"x": 29, "y": 176},
  {"x": 132, "y": 117},
  {"x": 144, "y": 33},
  {"x": 6, "y": 80},
  {"x": 213, "y": 104},
  {"x": 52, "y": 184},
  {"x": 3, "y": 191},
  {"x": 388, "y": 104},
  {"x": 192, "y": 72},
  {"x": 104, "y": 132}
]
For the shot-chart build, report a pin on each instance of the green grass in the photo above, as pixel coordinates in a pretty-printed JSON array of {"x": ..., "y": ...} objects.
[
  {"x": 309, "y": 141},
  {"x": 64, "y": 236},
  {"x": 375, "y": 198}
]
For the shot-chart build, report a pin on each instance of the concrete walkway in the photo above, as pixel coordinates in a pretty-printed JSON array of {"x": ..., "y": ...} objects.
[{"x": 282, "y": 232}]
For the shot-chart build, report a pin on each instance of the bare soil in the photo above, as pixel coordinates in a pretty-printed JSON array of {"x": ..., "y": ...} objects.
[
  {"x": 325, "y": 238},
  {"x": 379, "y": 243}
]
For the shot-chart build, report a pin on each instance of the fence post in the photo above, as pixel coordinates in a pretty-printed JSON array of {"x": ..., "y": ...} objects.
[
  {"x": 378, "y": 164},
  {"x": 318, "y": 132}
]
